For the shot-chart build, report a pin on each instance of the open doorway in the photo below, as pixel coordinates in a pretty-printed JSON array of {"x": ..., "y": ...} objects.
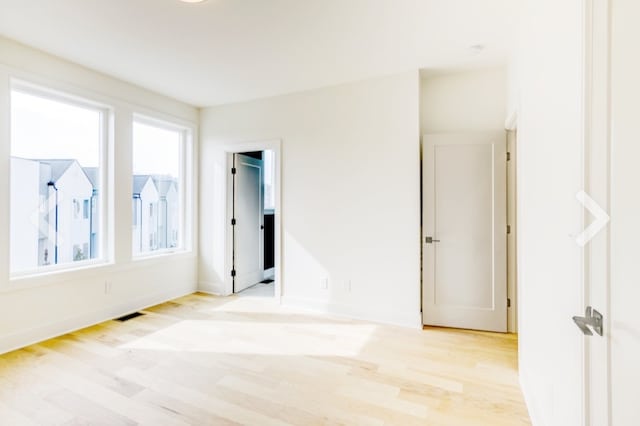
[{"x": 253, "y": 223}]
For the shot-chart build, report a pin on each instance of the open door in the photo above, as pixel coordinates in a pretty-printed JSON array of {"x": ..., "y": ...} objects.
[
  {"x": 465, "y": 231},
  {"x": 247, "y": 221}
]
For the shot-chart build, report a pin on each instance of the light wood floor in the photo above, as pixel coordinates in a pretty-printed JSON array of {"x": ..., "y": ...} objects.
[{"x": 203, "y": 360}]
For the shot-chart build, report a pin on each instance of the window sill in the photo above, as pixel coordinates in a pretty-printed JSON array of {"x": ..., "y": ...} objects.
[
  {"x": 50, "y": 271},
  {"x": 90, "y": 271}
]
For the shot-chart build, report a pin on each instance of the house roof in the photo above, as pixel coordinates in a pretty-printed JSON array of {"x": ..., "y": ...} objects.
[
  {"x": 164, "y": 183},
  {"x": 58, "y": 167},
  {"x": 92, "y": 174},
  {"x": 139, "y": 181}
]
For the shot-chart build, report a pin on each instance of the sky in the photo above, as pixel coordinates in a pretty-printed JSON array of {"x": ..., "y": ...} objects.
[{"x": 46, "y": 129}]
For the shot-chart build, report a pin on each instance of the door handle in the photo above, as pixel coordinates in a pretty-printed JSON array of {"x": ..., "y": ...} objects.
[
  {"x": 591, "y": 318},
  {"x": 430, "y": 240}
]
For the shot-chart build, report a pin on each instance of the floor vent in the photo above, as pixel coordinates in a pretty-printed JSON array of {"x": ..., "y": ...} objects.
[
  {"x": 267, "y": 281},
  {"x": 130, "y": 316}
]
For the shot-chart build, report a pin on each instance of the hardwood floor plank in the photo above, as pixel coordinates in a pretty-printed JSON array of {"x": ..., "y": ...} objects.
[{"x": 205, "y": 360}]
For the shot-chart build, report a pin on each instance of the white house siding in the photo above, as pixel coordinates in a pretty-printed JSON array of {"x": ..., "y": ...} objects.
[
  {"x": 168, "y": 211},
  {"x": 145, "y": 229},
  {"x": 74, "y": 193},
  {"x": 173, "y": 215},
  {"x": 25, "y": 214}
]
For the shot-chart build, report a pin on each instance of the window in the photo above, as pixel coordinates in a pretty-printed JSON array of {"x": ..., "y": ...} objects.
[
  {"x": 158, "y": 155},
  {"x": 56, "y": 146}
]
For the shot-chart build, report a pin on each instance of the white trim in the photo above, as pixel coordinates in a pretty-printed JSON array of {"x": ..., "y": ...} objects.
[
  {"x": 44, "y": 279},
  {"x": 530, "y": 402},
  {"x": 404, "y": 319},
  {"x": 274, "y": 145},
  {"x": 105, "y": 166},
  {"x": 37, "y": 334},
  {"x": 215, "y": 289},
  {"x": 186, "y": 182}
]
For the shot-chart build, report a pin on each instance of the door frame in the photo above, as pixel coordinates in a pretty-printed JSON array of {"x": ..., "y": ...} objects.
[
  {"x": 274, "y": 145},
  {"x": 426, "y": 168},
  {"x": 597, "y": 181}
]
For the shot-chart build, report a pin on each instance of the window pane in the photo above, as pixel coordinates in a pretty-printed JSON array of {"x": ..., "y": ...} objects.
[
  {"x": 156, "y": 188},
  {"x": 55, "y": 163}
]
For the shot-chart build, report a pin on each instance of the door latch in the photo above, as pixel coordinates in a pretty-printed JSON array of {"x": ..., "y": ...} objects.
[
  {"x": 591, "y": 318},
  {"x": 430, "y": 240}
]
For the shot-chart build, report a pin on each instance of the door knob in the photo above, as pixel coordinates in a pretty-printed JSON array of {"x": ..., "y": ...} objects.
[{"x": 430, "y": 240}]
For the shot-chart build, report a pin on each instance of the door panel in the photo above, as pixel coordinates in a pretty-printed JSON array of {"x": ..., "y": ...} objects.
[
  {"x": 249, "y": 214},
  {"x": 624, "y": 324},
  {"x": 464, "y": 272}
]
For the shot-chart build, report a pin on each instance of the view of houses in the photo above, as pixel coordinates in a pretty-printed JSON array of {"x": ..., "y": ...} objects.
[{"x": 55, "y": 212}]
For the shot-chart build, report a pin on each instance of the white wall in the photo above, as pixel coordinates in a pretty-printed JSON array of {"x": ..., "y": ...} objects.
[
  {"x": 37, "y": 307},
  {"x": 550, "y": 130},
  {"x": 464, "y": 101},
  {"x": 350, "y": 194}
]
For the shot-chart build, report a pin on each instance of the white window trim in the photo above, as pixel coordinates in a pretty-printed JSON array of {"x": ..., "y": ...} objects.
[
  {"x": 105, "y": 160},
  {"x": 186, "y": 188}
]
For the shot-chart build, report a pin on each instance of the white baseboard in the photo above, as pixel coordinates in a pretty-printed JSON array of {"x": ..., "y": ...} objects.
[
  {"x": 217, "y": 289},
  {"x": 33, "y": 335},
  {"x": 412, "y": 320},
  {"x": 529, "y": 400}
]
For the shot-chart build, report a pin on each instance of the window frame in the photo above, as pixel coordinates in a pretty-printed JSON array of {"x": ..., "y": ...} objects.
[
  {"x": 106, "y": 114},
  {"x": 185, "y": 182}
]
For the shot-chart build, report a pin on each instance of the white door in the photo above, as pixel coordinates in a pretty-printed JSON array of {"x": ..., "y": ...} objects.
[
  {"x": 614, "y": 369},
  {"x": 465, "y": 231},
  {"x": 624, "y": 322},
  {"x": 249, "y": 216}
]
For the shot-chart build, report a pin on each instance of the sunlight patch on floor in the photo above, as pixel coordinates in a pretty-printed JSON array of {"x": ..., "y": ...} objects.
[{"x": 250, "y": 337}]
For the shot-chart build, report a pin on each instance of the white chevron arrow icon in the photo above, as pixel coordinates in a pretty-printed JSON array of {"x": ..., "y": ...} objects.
[{"x": 602, "y": 218}]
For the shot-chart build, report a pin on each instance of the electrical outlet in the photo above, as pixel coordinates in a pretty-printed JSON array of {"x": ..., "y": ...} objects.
[
  {"x": 324, "y": 283},
  {"x": 107, "y": 287}
]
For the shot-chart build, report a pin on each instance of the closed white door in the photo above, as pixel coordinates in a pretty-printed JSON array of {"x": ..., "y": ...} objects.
[
  {"x": 465, "y": 231},
  {"x": 249, "y": 216},
  {"x": 622, "y": 324}
]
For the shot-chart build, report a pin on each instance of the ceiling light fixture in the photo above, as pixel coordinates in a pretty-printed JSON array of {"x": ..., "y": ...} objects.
[{"x": 193, "y": 1}]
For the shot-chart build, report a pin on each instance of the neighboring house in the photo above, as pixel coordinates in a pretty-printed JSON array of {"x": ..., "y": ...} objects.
[
  {"x": 92, "y": 174},
  {"x": 71, "y": 190},
  {"x": 50, "y": 212},
  {"x": 145, "y": 214},
  {"x": 168, "y": 211},
  {"x": 26, "y": 214}
]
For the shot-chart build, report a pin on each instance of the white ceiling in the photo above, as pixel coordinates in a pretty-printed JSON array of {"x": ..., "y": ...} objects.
[{"x": 224, "y": 51}]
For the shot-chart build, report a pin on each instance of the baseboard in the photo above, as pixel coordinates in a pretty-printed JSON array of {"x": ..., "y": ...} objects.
[
  {"x": 217, "y": 289},
  {"x": 33, "y": 335},
  {"x": 529, "y": 400},
  {"x": 355, "y": 312}
]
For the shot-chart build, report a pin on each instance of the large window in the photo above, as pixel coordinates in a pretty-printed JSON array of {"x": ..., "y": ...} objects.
[
  {"x": 158, "y": 207},
  {"x": 56, "y": 169}
]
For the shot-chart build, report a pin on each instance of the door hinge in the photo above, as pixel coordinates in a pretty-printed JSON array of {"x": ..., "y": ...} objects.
[
  {"x": 233, "y": 222},
  {"x": 508, "y": 229},
  {"x": 508, "y": 156},
  {"x": 233, "y": 272},
  {"x": 508, "y": 302},
  {"x": 233, "y": 170}
]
